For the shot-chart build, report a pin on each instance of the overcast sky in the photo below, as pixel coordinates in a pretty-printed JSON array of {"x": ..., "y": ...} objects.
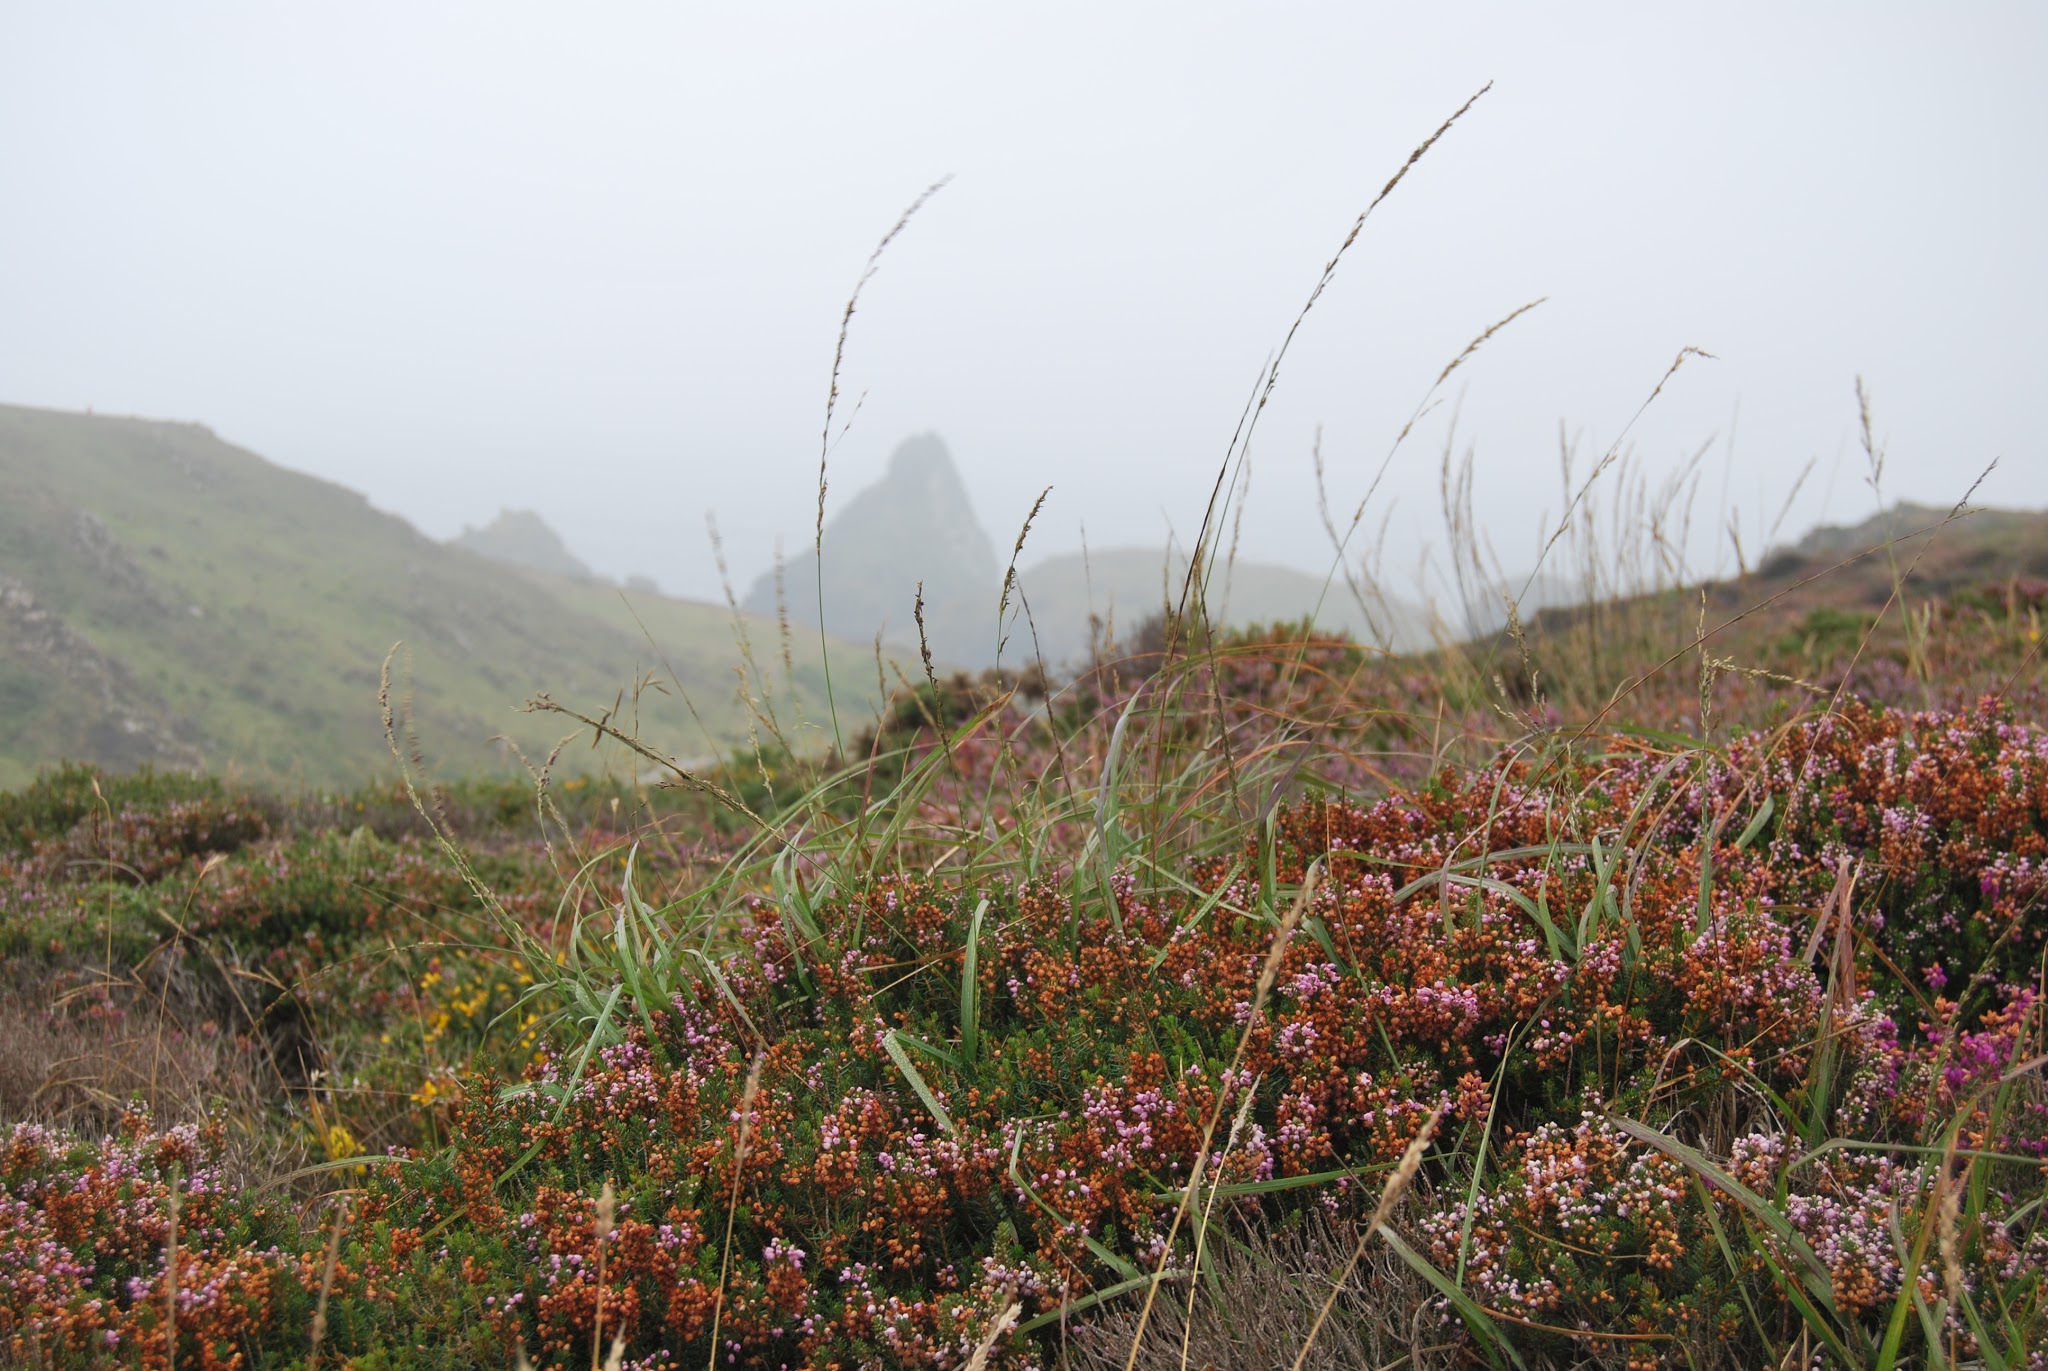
[{"x": 591, "y": 259}]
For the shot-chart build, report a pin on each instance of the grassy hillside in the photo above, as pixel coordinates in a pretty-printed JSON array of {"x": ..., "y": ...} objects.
[
  {"x": 1919, "y": 589},
  {"x": 168, "y": 598}
]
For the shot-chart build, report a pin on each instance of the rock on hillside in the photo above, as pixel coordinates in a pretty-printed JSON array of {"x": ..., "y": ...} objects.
[
  {"x": 914, "y": 525},
  {"x": 61, "y": 696},
  {"x": 917, "y": 525},
  {"x": 520, "y": 537}
]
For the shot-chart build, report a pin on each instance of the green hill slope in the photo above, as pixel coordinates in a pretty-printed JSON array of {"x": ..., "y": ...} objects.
[{"x": 168, "y": 598}]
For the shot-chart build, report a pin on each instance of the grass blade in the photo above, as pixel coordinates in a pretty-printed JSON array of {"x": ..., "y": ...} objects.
[
  {"x": 1493, "y": 1343},
  {"x": 1756, "y": 824},
  {"x": 1813, "y": 1274},
  {"x": 1089, "y": 1301},
  {"x": 970, "y": 988},
  {"x": 916, "y": 1080}
]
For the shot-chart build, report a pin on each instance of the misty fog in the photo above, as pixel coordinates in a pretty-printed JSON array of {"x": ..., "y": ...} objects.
[{"x": 593, "y": 263}]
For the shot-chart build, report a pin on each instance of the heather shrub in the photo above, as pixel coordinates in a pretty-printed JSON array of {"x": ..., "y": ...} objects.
[
  {"x": 59, "y": 799},
  {"x": 1692, "y": 1024},
  {"x": 958, "y": 1095},
  {"x": 1069, "y": 1023},
  {"x": 89, "y": 1234}
]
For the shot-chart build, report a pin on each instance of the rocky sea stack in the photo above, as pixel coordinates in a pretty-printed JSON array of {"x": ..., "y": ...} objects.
[{"x": 914, "y": 525}]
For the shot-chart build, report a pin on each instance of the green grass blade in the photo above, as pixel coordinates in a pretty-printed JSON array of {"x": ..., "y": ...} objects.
[
  {"x": 1707, "y": 842},
  {"x": 1458, "y": 868},
  {"x": 932, "y": 1050},
  {"x": 799, "y": 924},
  {"x": 1202, "y": 911},
  {"x": 725, "y": 990},
  {"x": 970, "y": 988},
  {"x": 1756, "y": 823},
  {"x": 1106, "y": 800},
  {"x": 1814, "y": 1273},
  {"x": 1123, "y": 1268},
  {"x": 1102, "y": 1296},
  {"x": 1735, "y": 1267},
  {"x": 1493, "y": 1343},
  {"x": 1240, "y": 1189},
  {"x": 916, "y": 1080},
  {"x": 1479, "y": 1160},
  {"x": 1603, "y": 883}
]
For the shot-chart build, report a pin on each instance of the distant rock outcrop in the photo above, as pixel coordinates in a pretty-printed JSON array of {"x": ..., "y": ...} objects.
[
  {"x": 917, "y": 525},
  {"x": 914, "y": 525},
  {"x": 522, "y": 538}
]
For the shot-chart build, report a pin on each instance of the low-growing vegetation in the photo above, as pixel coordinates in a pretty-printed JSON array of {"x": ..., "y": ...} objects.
[
  {"x": 1657, "y": 983},
  {"x": 1081, "y": 1024}
]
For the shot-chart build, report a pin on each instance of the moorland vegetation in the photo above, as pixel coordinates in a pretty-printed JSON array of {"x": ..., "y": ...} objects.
[
  {"x": 1224, "y": 1002},
  {"x": 1658, "y": 983}
]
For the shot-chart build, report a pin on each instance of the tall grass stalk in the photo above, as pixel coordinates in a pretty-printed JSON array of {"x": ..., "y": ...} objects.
[
  {"x": 739, "y": 1160},
  {"x": 825, "y": 439}
]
